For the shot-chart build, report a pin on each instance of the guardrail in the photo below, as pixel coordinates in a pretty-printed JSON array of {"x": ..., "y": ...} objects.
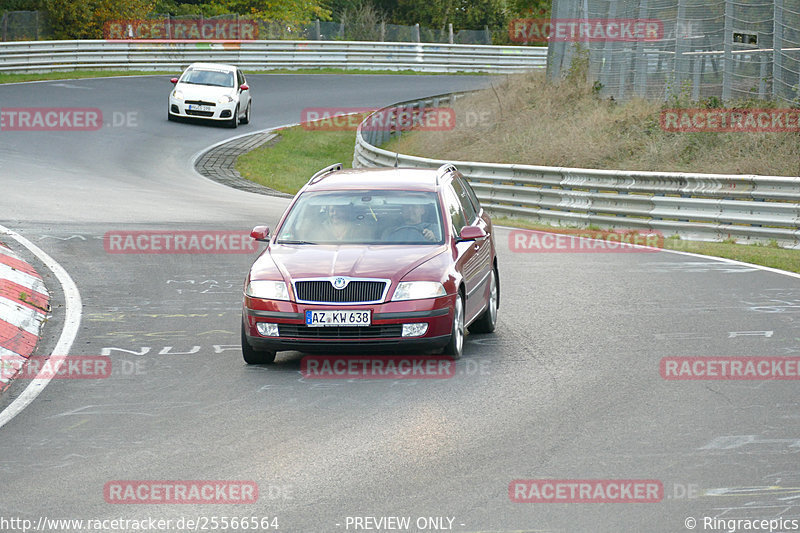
[
  {"x": 711, "y": 207},
  {"x": 38, "y": 56}
]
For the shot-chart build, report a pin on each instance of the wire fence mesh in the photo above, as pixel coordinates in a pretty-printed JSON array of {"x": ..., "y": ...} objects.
[
  {"x": 30, "y": 25},
  {"x": 730, "y": 50}
]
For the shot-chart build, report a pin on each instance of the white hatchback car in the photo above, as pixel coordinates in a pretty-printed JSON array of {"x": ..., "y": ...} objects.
[{"x": 211, "y": 91}]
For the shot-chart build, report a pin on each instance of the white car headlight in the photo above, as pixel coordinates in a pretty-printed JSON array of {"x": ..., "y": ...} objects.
[
  {"x": 178, "y": 95},
  {"x": 225, "y": 99},
  {"x": 269, "y": 290},
  {"x": 418, "y": 290}
]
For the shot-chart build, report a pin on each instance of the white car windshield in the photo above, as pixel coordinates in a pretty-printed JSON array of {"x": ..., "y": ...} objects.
[
  {"x": 215, "y": 78},
  {"x": 363, "y": 217}
]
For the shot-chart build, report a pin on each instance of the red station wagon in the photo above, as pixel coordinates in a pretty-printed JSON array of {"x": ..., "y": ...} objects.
[{"x": 369, "y": 259}]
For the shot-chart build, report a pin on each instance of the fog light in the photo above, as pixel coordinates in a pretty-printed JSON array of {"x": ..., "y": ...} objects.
[
  {"x": 265, "y": 329},
  {"x": 414, "y": 330}
]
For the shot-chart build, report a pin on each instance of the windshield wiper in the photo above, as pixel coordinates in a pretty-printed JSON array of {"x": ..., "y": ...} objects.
[{"x": 295, "y": 242}]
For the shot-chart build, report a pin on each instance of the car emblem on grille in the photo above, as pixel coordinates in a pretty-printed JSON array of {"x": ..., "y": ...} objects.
[{"x": 339, "y": 283}]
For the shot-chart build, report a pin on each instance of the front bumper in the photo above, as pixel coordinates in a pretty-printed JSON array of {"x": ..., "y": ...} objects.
[
  {"x": 180, "y": 108},
  {"x": 385, "y": 331}
]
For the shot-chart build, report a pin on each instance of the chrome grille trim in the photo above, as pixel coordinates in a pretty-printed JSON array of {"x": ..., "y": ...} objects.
[{"x": 358, "y": 291}]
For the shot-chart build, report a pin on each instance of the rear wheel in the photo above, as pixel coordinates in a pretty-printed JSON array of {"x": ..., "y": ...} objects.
[
  {"x": 488, "y": 319},
  {"x": 455, "y": 347},
  {"x": 253, "y": 356}
]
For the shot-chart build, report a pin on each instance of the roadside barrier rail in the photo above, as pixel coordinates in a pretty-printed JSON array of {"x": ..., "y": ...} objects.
[
  {"x": 710, "y": 207},
  {"x": 33, "y": 56}
]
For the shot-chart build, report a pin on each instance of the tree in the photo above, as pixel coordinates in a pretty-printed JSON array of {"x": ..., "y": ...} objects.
[{"x": 290, "y": 11}]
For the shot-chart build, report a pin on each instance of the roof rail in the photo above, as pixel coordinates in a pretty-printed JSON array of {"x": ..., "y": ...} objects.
[
  {"x": 327, "y": 170},
  {"x": 444, "y": 170}
]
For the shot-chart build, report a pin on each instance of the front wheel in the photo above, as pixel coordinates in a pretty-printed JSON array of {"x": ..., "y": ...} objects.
[
  {"x": 234, "y": 121},
  {"x": 246, "y": 117},
  {"x": 455, "y": 347},
  {"x": 487, "y": 322},
  {"x": 255, "y": 357}
]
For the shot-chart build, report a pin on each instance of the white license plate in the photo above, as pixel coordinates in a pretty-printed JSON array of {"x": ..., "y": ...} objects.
[
  {"x": 194, "y": 107},
  {"x": 349, "y": 317}
]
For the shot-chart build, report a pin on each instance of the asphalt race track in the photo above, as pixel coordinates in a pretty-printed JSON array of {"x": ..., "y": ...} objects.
[{"x": 567, "y": 388}]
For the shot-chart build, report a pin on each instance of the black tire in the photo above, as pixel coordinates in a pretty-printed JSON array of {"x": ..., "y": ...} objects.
[
  {"x": 255, "y": 357},
  {"x": 246, "y": 117},
  {"x": 487, "y": 322},
  {"x": 455, "y": 347},
  {"x": 234, "y": 121}
]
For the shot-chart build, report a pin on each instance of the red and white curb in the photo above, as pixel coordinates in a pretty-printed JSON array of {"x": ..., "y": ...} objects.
[{"x": 24, "y": 304}]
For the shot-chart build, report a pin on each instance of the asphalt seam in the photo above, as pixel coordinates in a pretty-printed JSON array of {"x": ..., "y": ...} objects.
[{"x": 219, "y": 163}]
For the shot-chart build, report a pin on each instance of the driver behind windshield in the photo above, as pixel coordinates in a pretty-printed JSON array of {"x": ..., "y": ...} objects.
[{"x": 413, "y": 225}]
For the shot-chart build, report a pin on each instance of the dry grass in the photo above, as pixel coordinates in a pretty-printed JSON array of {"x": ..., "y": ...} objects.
[{"x": 526, "y": 120}]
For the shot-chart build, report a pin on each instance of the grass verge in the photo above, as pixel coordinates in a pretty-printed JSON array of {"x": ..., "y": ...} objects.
[
  {"x": 769, "y": 255},
  {"x": 286, "y": 164},
  {"x": 79, "y": 74},
  {"x": 525, "y": 119}
]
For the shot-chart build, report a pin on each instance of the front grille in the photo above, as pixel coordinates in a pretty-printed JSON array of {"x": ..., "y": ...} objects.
[
  {"x": 199, "y": 113},
  {"x": 200, "y": 102},
  {"x": 340, "y": 332},
  {"x": 355, "y": 291}
]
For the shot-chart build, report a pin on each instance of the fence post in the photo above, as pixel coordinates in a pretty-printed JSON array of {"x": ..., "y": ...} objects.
[
  {"x": 777, "y": 45},
  {"x": 416, "y": 32},
  {"x": 640, "y": 59},
  {"x": 37, "y": 25},
  {"x": 383, "y": 30},
  {"x": 5, "y": 26},
  {"x": 680, "y": 62},
  {"x": 699, "y": 64},
  {"x": 606, "y": 69},
  {"x": 762, "y": 77},
  {"x": 450, "y": 32},
  {"x": 623, "y": 72},
  {"x": 341, "y": 30},
  {"x": 317, "y": 30},
  {"x": 727, "y": 66},
  {"x": 488, "y": 34}
]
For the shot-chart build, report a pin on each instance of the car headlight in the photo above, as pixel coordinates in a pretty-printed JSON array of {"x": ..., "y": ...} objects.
[
  {"x": 417, "y": 290},
  {"x": 178, "y": 95},
  {"x": 225, "y": 99},
  {"x": 269, "y": 290}
]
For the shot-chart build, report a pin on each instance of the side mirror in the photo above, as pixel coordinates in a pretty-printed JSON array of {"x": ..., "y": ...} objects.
[
  {"x": 260, "y": 233},
  {"x": 174, "y": 80},
  {"x": 244, "y": 87},
  {"x": 472, "y": 233}
]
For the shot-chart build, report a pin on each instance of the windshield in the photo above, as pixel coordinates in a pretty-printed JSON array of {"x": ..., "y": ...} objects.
[
  {"x": 364, "y": 217},
  {"x": 215, "y": 78}
]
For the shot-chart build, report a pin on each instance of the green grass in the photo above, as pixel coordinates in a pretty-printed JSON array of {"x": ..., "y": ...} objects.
[
  {"x": 769, "y": 255},
  {"x": 78, "y": 74},
  {"x": 73, "y": 74},
  {"x": 288, "y": 164}
]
